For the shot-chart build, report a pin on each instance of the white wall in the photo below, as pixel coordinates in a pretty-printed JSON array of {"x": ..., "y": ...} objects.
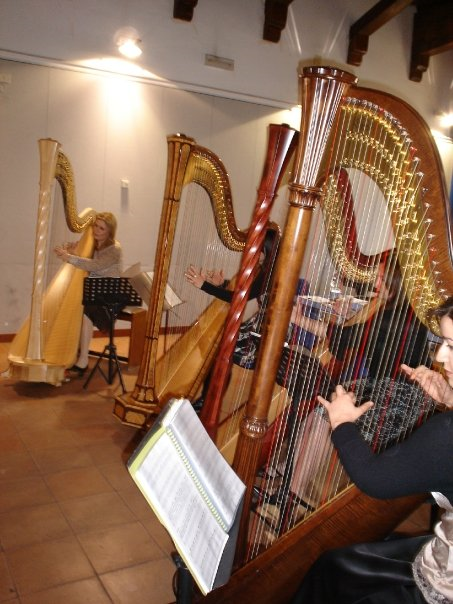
[
  {"x": 73, "y": 31},
  {"x": 110, "y": 129},
  {"x": 115, "y": 128}
]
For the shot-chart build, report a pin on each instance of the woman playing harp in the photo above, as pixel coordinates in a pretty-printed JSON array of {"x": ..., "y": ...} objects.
[
  {"x": 412, "y": 570},
  {"x": 106, "y": 262},
  {"x": 46, "y": 345}
]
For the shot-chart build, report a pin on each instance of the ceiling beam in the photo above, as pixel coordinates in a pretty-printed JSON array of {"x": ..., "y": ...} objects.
[
  {"x": 275, "y": 16},
  {"x": 371, "y": 21},
  {"x": 183, "y": 9},
  {"x": 432, "y": 34}
]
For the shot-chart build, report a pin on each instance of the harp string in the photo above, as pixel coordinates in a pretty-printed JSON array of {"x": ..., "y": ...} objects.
[{"x": 197, "y": 242}]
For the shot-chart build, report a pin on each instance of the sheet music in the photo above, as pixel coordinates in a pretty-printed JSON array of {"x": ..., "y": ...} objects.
[
  {"x": 142, "y": 283},
  {"x": 176, "y": 501},
  {"x": 212, "y": 469},
  {"x": 191, "y": 488}
]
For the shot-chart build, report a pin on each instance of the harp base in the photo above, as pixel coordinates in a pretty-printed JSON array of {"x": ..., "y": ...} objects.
[
  {"x": 37, "y": 371},
  {"x": 132, "y": 413}
]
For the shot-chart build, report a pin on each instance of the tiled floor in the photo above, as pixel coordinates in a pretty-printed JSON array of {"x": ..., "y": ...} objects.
[{"x": 73, "y": 526}]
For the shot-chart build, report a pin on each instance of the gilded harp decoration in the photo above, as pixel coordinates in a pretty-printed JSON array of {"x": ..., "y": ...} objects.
[
  {"x": 47, "y": 342},
  {"x": 344, "y": 131},
  {"x": 181, "y": 371}
]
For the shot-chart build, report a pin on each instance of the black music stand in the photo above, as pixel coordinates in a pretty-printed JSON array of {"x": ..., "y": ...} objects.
[{"x": 112, "y": 294}]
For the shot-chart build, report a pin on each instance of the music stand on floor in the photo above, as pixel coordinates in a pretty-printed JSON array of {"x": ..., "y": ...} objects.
[{"x": 112, "y": 294}]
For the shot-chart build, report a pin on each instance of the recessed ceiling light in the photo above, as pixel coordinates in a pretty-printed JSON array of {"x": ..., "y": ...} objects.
[
  {"x": 130, "y": 48},
  {"x": 128, "y": 42}
]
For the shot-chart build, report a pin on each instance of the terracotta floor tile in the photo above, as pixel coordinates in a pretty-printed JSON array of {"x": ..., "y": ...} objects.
[
  {"x": 7, "y": 587},
  {"x": 137, "y": 503},
  {"x": 93, "y": 433},
  {"x": 22, "y": 493},
  {"x": 77, "y": 482},
  {"x": 50, "y": 461},
  {"x": 96, "y": 512},
  {"x": 118, "y": 476},
  {"x": 6, "y": 424},
  {"x": 75, "y": 412},
  {"x": 87, "y": 591},
  {"x": 40, "y": 416},
  {"x": 119, "y": 547},
  {"x": 108, "y": 452},
  {"x": 159, "y": 533},
  {"x": 16, "y": 465},
  {"x": 30, "y": 525},
  {"x": 44, "y": 565},
  {"x": 11, "y": 442},
  {"x": 43, "y": 438},
  {"x": 150, "y": 582}
]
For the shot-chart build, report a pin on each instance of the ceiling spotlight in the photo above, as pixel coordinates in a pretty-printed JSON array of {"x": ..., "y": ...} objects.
[{"x": 128, "y": 42}]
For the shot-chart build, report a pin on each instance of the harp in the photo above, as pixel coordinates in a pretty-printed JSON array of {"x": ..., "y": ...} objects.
[
  {"x": 182, "y": 369},
  {"x": 47, "y": 342},
  {"x": 343, "y": 129}
]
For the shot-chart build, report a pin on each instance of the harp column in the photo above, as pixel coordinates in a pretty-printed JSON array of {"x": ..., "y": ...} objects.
[
  {"x": 321, "y": 90},
  {"x": 134, "y": 408}
]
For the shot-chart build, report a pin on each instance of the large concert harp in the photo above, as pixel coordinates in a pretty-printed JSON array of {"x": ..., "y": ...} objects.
[
  {"x": 47, "y": 342},
  {"x": 342, "y": 128},
  {"x": 183, "y": 369}
]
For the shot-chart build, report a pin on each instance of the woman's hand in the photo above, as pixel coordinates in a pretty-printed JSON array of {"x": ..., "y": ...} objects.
[
  {"x": 70, "y": 247},
  {"x": 342, "y": 408},
  {"x": 215, "y": 277},
  {"x": 61, "y": 252},
  {"x": 432, "y": 382},
  {"x": 194, "y": 276}
]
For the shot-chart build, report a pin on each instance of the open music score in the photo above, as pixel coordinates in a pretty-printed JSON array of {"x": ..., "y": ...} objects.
[
  {"x": 142, "y": 283},
  {"x": 192, "y": 490}
]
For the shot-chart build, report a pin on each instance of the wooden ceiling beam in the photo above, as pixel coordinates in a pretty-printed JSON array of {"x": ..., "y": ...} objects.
[
  {"x": 275, "y": 16},
  {"x": 432, "y": 34},
  {"x": 371, "y": 21},
  {"x": 183, "y": 9}
]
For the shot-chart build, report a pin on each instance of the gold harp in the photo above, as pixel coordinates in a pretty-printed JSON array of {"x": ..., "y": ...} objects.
[
  {"x": 47, "y": 342},
  {"x": 343, "y": 127}
]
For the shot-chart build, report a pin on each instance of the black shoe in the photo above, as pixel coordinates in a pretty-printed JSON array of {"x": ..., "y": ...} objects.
[{"x": 77, "y": 371}]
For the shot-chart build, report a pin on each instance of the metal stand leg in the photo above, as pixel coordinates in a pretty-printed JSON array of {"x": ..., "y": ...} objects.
[
  {"x": 110, "y": 354},
  {"x": 184, "y": 581}
]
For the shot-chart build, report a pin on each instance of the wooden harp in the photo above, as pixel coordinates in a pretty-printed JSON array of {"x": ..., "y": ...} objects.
[
  {"x": 47, "y": 342},
  {"x": 181, "y": 371},
  {"x": 343, "y": 127}
]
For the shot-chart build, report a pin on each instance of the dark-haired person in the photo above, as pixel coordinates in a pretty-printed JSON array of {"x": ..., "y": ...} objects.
[
  {"x": 412, "y": 570},
  {"x": 246, "y": 348}
]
